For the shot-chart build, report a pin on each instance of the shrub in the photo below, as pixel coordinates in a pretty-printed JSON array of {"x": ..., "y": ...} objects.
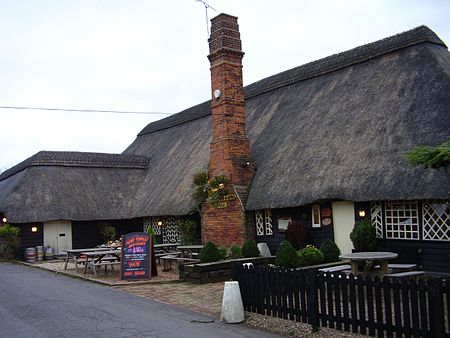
[
  {"x": 202, "y": 187},
  {"x": 151, "y": 232},
  {"x": 310, "y": 256},
  {"x": 287, "y": 256},
  {"x": 107, "y": 232},
  {"x": 363, "y": 236},
  {"x": 9, "y": 236},
  {"x": 209, "y": 253},
  {"x": 187, "y": 229},
  {"x": 223, "y": 253},
  {"x": 330, "y": 251},
  {"x": 296, "y": 234},
  {"x": 235, "y": 251},
  {"x": 250, "y": 249}
]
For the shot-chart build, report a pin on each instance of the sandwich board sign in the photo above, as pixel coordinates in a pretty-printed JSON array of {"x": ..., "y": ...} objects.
[{"x": 137, "y": 256}]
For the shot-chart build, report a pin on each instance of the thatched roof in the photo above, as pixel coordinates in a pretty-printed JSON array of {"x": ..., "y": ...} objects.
[
  {"x": 336, "y": 128},
  {"x": 71, "y": 186}
]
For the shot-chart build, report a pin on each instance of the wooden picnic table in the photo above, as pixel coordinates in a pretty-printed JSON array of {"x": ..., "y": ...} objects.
[
  {"x": 93, "y": 258},
  {"x": 376, "y": 256},
  {"x": 75, "y": 254},
  {"x": 166, "y": 246},
  {"x": 188, "y": 250}
]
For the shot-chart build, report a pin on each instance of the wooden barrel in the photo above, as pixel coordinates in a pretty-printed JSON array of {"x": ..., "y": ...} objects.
[
  {"x": 30, "y": 255},
  {"x": 40, "y": 253},
  {"x": 49, "y": 253}
]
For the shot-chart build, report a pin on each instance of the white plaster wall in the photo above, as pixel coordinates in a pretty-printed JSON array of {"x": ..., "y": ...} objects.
[{"x": 343, "y": 222}]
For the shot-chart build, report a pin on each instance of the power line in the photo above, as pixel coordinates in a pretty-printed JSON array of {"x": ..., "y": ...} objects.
[{"x": 86, "y": 110}]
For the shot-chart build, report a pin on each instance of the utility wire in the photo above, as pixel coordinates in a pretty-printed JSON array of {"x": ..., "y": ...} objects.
[{"x": 86, "y": 110}]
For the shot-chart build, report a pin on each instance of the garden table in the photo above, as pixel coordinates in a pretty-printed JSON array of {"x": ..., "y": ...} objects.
[
  {"x": 77, "y": 253},
  {"x": 188, "y": 250},
  {"x": 95, "y": 257},
  {"x": 377, "y": 256},
  {"x": 166, "y": 246}
]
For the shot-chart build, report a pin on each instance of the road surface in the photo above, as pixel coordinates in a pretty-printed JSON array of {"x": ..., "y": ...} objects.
[{"x": 36, "y": 303}]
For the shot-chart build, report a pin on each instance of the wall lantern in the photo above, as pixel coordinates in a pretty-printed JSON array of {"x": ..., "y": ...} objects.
[
  {"x": 362, "y": 213},
  {"x": 33, "y": 229},
  {"x": 159, "y": 223},
  {"x": 4, "y": 220}
]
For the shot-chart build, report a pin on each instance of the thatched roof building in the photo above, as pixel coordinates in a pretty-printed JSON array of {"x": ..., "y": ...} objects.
[
  {"x": 336, "y": 128},
  {"x": 71, "y": 186}
]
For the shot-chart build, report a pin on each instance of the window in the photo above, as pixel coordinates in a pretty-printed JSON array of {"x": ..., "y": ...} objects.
[
  {"x": 283, "y": 223},
  {"x": 263, "y": 221},
  {"x": 436, "y": 221},
  {"x": 316, "y": 216},
  {"x": 402, "y": 220}
]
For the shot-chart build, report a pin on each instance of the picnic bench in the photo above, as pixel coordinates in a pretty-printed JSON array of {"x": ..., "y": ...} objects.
[
  {"x": 77, "y": 255},
  {"x": 95, "y": 259}
]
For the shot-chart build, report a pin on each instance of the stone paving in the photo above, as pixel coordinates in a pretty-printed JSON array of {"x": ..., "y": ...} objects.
[{"x": 204, "y": 298}]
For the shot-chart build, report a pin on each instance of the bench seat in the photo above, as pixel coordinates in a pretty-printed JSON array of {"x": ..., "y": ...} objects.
[{"x": 406, "y": 274}]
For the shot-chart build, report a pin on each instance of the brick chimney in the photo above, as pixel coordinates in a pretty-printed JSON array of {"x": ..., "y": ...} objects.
[{"x": 230, "y": 150}]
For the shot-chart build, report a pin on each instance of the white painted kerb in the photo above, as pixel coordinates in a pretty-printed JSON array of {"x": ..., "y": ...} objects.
[{"x": 232, "y": 307}]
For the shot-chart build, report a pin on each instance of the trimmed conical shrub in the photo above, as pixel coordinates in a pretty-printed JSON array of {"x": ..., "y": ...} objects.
[
  {"x": 330, "y": 251},
  {"x": 209, "y": 253},
  {"x": 287, "y": 256},
  {"x": 250, "y": 249}
]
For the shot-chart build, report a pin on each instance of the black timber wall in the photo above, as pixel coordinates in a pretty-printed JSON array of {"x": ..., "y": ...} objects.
[
  {"x": 315, "y": 236},
  {"x": 85, "y": 234},
  {"x": 29, "y": 238},
  {"x": 428, "y": 255}
]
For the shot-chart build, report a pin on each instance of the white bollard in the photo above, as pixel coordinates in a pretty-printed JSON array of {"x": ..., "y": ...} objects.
[{"x": 232, "y": 307}]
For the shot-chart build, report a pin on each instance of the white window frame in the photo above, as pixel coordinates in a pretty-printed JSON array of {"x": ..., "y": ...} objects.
[
  {"x": 314, "y": 224},
  {"x": 401, "y": 220}
]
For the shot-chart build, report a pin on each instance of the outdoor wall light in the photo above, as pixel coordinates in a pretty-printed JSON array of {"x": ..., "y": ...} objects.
[
  {"x": 33, "y": 229},
  {"x": 159, "y": 223},
  {"x": 362, "y": 213},
  {"x": 4, "y": 220}
]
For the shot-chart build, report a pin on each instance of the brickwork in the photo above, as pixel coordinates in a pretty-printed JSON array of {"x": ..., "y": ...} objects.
[{"x": 230, "y": 148}]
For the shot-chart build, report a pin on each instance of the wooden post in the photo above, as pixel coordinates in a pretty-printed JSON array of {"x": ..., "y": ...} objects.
[
  {"x": 437, "y": 308},
  {"x": 312, "y": 305}
]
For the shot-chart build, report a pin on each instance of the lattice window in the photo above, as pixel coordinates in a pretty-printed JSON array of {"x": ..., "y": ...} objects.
[
  {"x": 436, "y": 221},
  {"x": 268, "y": 221},
  {"x": 259, "y": 220},
  {"x": 376, "y": 216},
  {"x": 170, "y": 231},
  {"x": 153, "y": 222},
  {"x": 402, "y": 220}
]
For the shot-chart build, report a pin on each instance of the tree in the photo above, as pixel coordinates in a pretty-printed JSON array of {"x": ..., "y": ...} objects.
[{"x": 430, "y": 156}]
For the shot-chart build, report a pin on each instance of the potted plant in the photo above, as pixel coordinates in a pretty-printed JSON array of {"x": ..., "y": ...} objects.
[{"x": 363, "y": 236}]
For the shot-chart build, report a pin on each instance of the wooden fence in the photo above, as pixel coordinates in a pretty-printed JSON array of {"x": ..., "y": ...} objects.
[{"x": 407, "y": 307}]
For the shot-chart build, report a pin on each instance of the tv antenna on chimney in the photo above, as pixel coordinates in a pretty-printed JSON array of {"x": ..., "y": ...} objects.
[{"x": 206, "y": 12}]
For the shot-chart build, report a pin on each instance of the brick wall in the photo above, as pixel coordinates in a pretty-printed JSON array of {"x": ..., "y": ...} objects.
[{"x": 230, "y": 149}]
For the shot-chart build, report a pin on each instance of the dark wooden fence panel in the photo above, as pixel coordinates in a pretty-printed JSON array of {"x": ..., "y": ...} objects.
[{"x": 361, "y": 304}]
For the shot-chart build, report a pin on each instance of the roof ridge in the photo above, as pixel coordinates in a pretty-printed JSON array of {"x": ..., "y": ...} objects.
[
  {"x": 344, "y": 59},
  {"x": 309, "y": 70},
  {"x": 79, "y": 159}
]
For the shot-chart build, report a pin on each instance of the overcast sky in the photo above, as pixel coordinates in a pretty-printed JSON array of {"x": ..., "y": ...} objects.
[{"x": 151, "y": 56}]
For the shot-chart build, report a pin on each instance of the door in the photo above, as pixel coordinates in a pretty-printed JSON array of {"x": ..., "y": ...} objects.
[
  {"x": 58, "y": 235},
  {"x": 344, "y": 220}
]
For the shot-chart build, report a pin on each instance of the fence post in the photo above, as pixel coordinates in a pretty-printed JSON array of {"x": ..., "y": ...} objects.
[
  {"x": 312, "y": 301},
  {"x": 437, "y": 309}
]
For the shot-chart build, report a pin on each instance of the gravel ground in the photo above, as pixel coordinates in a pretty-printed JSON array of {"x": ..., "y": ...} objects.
[{"x": 289, "y": 328}]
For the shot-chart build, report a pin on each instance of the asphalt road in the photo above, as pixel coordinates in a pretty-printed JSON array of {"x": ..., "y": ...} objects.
[{"x": 35, "y": 303}]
